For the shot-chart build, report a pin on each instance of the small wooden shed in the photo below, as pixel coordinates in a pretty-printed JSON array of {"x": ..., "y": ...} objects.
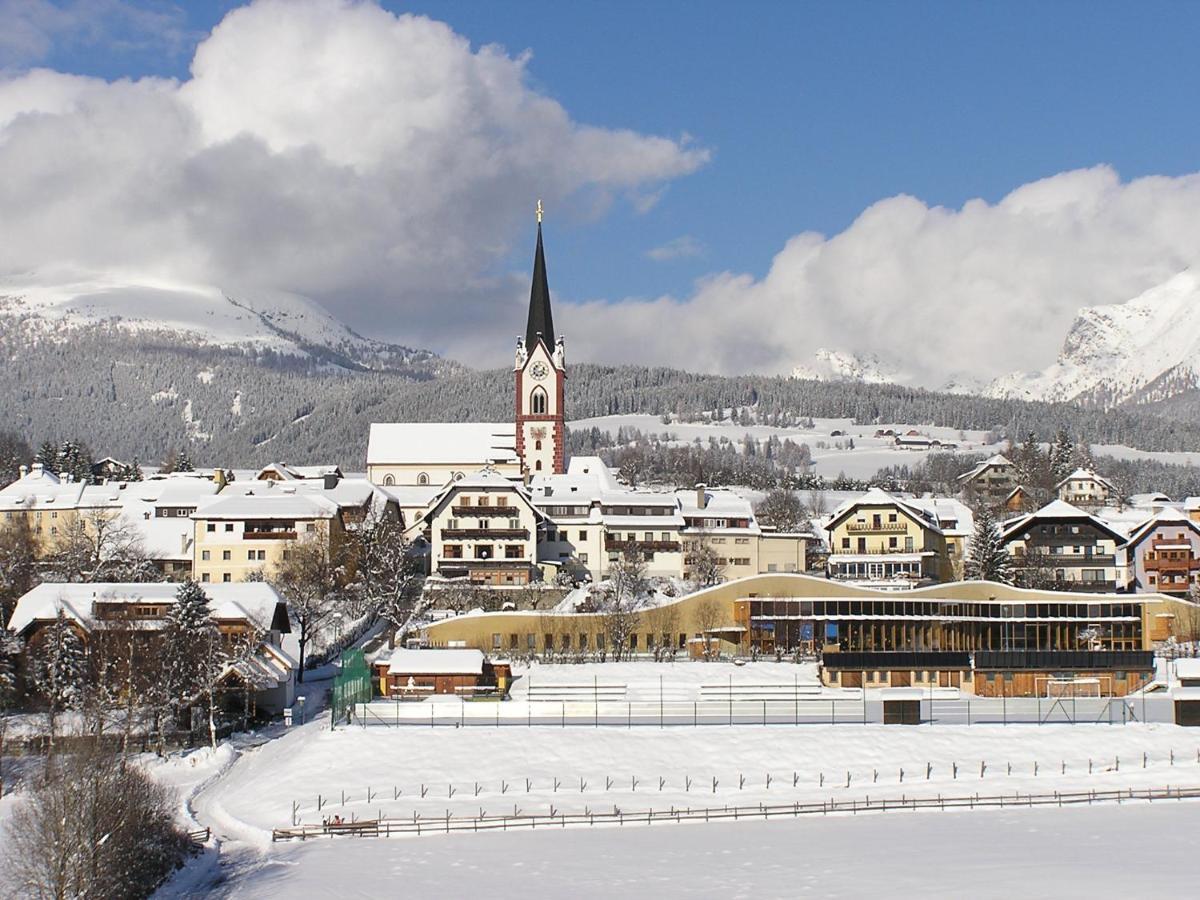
[
  {"x": 419, "y": 673},
  {"x": 902, "y": 706},
  {"x": 1187, "y": 705}
]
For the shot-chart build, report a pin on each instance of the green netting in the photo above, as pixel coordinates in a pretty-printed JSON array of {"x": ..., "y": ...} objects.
[{"x": 351, "y": 685}]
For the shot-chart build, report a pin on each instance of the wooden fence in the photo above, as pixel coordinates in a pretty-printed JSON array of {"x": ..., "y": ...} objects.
[{"x": 448, "y": 823}]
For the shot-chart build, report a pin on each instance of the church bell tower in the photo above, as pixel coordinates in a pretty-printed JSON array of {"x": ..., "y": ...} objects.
[{"x": 540, "y": 371}]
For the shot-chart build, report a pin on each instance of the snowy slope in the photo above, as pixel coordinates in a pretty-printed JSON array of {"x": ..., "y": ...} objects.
[
  {"x": 1145, "y": 349},
  {"x": 839, "y": 365},
  {"x": 228, "y": 317}
]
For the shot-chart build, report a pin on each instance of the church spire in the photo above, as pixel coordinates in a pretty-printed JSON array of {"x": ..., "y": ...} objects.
[{"x": 540, "y": 320}]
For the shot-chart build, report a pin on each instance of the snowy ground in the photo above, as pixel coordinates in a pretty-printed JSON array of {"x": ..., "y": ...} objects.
[
  {"x": 1130, "y": 851},
  {"x": 870, "y": 453}
]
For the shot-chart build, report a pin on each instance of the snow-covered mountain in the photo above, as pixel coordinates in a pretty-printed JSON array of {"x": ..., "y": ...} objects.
[
  {"x": 1143, "y": 350},
  {"x": 261, "y": 320},
  {"x": 839, "y": 365}
]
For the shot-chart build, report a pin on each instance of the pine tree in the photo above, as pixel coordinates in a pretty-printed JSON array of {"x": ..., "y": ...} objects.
[
  {"x": 135, "y": 471},
  {"x": 988, "y": 559},
  {"x": 190, "y": 648},
  {"x": 59, "y": 669},
  {"x": 47, "y": 457},
  {"x": 10, "y": 648},
  {"x": 183, "y": 463},
  {"x": 1062, "y": 456}
]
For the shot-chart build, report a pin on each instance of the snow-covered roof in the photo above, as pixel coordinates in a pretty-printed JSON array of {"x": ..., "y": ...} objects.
[
  {"x": 454, "y": 443},
  {"x": 269, "y": 506},
  {"x": 1086, "y": 475},
  {"x": 411, "y": 496},
  {"x": 1187, "y": 668},
  {"x": 1059, "y": 510},
  {"x": 1170, "y": 517},
  {"x": 297, "y": 473},
  {"x": 256, "y": 601},
  {"x": 435, "y": 662},
  {"x": 879, "y": 497},
  {"x": 997, "y": 461}
]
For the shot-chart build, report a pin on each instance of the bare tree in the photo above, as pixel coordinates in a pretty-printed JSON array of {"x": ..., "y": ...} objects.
[
  {"x": 94, "y": 826},
  {"x": 18, "y": 563},
  {"x": 95, "y": 545},
  {"x": 704, "y": 563},
  {"x": 784, "y": 511},
  {"x": 620, "y": 606},
  {"x": 709, "y": 616},
  {"x": 389, "y": 575},
  {"x": 312, "y": 577}
]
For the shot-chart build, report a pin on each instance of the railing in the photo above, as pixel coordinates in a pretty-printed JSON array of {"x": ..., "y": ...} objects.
[
  {"x": 642, "y": 546},
  {"x": 200, "y": 838},
  {"x": 885, "y": 527},
  {"x": 269, "y": 535},
  {"x": 1181, "y": 566},
  {"x": 555, "y": 819},
  {"x": 467, "y": 533},
  {"x": 507, "y": 512}
]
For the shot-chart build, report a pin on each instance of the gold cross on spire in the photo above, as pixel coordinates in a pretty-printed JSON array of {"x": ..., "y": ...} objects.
[{"x": 539, "y": 212}]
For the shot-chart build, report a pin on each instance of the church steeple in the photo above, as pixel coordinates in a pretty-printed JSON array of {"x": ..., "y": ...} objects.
[{"x": 540, "y": 320}]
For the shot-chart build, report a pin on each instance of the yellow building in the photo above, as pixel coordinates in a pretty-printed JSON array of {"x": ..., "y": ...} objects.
[{"x": 882, "y": 541}]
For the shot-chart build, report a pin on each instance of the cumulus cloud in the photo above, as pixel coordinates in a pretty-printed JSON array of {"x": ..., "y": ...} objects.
[
  {"x": 676, "y": 248},
  {"x": 373, "y": 162},
  {"x": 939, "y": 293}
]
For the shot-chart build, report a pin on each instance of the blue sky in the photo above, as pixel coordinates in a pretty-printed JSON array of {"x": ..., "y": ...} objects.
[
  {"x": 812, "y": 111},
  {"x": 400, "y": 198}
]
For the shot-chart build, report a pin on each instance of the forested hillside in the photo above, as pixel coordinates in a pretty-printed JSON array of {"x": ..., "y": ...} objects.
[{"x": 141, "y": 395}]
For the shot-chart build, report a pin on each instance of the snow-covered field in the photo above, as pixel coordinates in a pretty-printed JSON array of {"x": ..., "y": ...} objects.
[
  {"x": 1128, "y": 851},
  {"x": 870, "y": 454}
]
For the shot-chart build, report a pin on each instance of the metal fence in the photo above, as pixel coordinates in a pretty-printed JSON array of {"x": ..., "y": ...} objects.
[
  {"x": 450, "y": 823},
  {"x": 351, "y": 685},
  {"x": 798, "y": 710}
]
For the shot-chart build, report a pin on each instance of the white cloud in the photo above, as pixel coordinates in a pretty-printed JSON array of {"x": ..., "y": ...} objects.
[
  {"x": 371, "y": 161},
  {"x": 676, "y": 248},
  {"x": 937, "y": 292}
]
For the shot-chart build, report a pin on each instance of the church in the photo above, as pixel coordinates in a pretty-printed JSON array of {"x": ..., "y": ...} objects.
[{"x": 501, "y": 504}]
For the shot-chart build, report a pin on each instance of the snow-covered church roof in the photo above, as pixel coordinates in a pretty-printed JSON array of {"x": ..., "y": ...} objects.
[{"x": 450, "y": 443}]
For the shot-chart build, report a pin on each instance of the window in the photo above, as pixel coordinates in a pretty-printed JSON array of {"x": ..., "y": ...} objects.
[
  {"x": 537, "y": 445},
  {"x": 583, "y": 558},
  {"x": 538, "y": 466},
  {"x": 262, "y": 555},
  {"x": 210, "y": 527},
  {"x": 496, "y": 641},
  {"x": 422, "y": 478},
  {"x": 583, "y": 535},
  {"x": 538, "y": 402},
  {"x": 204, "y": 576},
  {"x": 530, "y": 642},
  {"x": 250, "y": 554},
  {"x": 226, "y": 555},
  {"x": 227, "y": 578},
  {"x": 389, "y": 480},
  {"x": 514, "y": 524},
  {"x": 846, "y": 543},
  {"x": 229, "y": 526},
  {"x": 513, "y": 551},
  {"x": 205, "y": 555}
]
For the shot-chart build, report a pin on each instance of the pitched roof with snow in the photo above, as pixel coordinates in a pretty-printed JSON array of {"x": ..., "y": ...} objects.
[
  {"x": 453, "y": 443},
  {"x": 436, "y": 662},
  {"x": 997, "y": 461},
  {"x": 1086, "y": 475},
  {"x": 1058, "y": 510},
  {"x": 269, "y": 506},
  {"x": 1170, "y": 517},
  {"x": 255, "y": 601},
  {"x": 879, "y": 497}
]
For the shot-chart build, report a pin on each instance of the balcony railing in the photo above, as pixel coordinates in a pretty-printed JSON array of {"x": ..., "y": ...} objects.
[
  {"x": 507, "y": 512},
  {"x": 1182, "y": 566},
  {"x": 642, "y": 546},
  {"x": 476, "y": 533},
  {"x": 882, "y": 527},
  {"x": 268, "y": 535}
]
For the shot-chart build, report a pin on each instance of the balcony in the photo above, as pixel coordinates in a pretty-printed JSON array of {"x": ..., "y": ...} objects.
[
  {"x": 471, "y": 534},
  {"x": 268, "y": 535},
  {"x": 881, "y": 528},
  {"x": 507, "y": 512},
  {"x": 641, "y": 546}
]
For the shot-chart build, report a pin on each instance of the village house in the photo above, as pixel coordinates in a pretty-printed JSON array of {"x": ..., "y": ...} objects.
[
  {"x": 1063, "y": 545},
  {"x": 992, "y": 481},
  {"x": 1164, "y": 553},
  {"x": 1086, "y": 489}
]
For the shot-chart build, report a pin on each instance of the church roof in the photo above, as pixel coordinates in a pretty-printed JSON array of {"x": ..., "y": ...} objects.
[{"x": 540, "y": 320}]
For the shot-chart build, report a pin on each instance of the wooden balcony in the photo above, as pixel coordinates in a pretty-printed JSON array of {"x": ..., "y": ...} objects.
[
  {"x": 507, "y": 512},
  {"x": 641, "y": 546},
  {"x": 881, "y": 528},
  {"x": 268, "y": 535},
  {"x": 473, "y": 534}
]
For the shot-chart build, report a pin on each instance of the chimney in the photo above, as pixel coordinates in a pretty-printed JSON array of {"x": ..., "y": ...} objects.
[
  {"x": 331, "y": 481},
  {"x": 24, "y": 470},
  {"x": 701, "y": 496},
  {"x": 219, "y": 479},
  {"x": 37, "y": 469}
]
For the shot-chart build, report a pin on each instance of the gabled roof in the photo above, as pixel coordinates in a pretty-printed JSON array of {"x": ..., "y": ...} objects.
[
  {"x": 435, "y": 662},
  {"x": 1085, "y": 474},
  {"x": 1058, "y": 510},
  {"x": 879, "y": 497},
  {"x": 483, "y": 480},
  {"x": 1169, "y": 516},
  {"x": 269, "y": 506},
  {"x": 997, "y": 461}
]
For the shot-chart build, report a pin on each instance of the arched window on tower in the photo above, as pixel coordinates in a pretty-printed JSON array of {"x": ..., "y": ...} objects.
[
  {"x": 538, "y": 402},
  {"x": 538, "y": 466},
  {"x": 537, "y": 445},
  {"x": 422, "y": 478},
  {"x": 388, "y": 480}
]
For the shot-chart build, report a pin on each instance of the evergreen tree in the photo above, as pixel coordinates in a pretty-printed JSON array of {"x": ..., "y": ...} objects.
[
  {"x": 10, "y": 649},
  {"x": 75, "y": 461},
  {"x": 183, "y": 462},
  {"x": 47, "y": 456},
  {"x": 59, "y": 669},
  {"x": 191, "y": 648},
  {"x": 1062, "y": 456},
  {"x": 988, "y": 559},
  {"x": 135, "y": 471}
]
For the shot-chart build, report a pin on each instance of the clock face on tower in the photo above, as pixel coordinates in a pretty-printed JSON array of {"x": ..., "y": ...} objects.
[{"x": 539, "y": 370}]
